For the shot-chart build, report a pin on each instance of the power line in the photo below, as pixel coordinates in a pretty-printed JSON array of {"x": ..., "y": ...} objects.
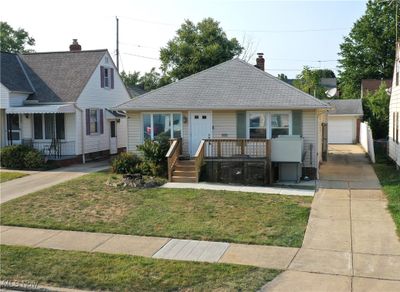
[
  {"x": 138, "y": 46},
  {"x": 243, "y": 30},
  {"x": 140, "y": 56}
]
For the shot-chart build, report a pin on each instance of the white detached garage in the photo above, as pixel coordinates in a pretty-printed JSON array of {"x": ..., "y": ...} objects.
[{"x": 344, "y": 121}]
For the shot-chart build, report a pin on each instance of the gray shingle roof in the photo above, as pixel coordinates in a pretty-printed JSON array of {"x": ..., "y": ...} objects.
[
  {"x": 60, "y": 76},
  {"x": 12, "y": 76},
  {"x": 345, "y": 107},
  {"x": 234, "y": 84},
  {"x": 135, "y": 91}
]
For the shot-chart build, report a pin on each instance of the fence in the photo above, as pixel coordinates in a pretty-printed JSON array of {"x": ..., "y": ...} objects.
[{"x": 367, "y": 141}]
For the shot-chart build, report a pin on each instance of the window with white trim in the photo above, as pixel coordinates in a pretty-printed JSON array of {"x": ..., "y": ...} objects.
[
  {"x": 266, "y": 125},
  {"x": 257, "y": 126},
  {"x": 162, "y": 124},
  {"x": 279, "y": 125}
]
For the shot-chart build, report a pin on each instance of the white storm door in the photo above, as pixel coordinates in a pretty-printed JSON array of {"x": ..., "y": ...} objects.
[
  {"x": 200, "y": 128},
  {"x": 113, "y": 137}
]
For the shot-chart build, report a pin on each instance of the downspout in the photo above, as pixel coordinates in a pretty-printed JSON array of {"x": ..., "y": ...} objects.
[{"x": 82, "y": 133}]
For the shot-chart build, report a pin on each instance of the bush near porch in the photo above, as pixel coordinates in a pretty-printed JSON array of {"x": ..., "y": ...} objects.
[
  {"x": 21, "y": 157},
  {"x": 89, "y": 204}
]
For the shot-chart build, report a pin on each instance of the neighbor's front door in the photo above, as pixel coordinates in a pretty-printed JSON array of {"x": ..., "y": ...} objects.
[
  {"x": 113, "y": 137},
  {"x": 200, "y": 128}
]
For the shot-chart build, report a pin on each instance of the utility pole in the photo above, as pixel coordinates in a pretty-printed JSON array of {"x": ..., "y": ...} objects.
[{"x": 117, "y": 50}]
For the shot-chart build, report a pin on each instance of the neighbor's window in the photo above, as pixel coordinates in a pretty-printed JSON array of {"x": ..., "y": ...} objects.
[
  {"x": 106, "y": 77},
  {"x": 279, "y": 125},
  {"x": 257, "y": 126},
  {"x": 162, "y": 124},
  {"x": 48, "y": 126},
  {"x": 94, "y": 121},
  {"x": 14, "y": 132}
]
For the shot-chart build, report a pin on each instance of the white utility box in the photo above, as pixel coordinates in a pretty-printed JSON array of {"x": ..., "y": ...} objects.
[{"x": 287, "y": 149}]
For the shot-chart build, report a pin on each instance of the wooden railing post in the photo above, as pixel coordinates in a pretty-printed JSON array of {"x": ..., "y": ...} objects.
[
  {"x": 173, "y": 155},
  {"x": 242, "y": 147},
  {"x": 218, "y": 148}
]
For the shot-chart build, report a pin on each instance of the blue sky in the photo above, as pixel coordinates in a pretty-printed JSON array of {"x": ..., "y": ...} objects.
[{"x": 289, "y": 33}]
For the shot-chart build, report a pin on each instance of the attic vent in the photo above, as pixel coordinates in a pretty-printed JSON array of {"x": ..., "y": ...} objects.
[{"x": 106, "y": 60}]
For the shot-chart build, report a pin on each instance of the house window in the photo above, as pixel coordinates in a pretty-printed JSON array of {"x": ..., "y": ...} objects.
[
  {"x": 94, "y": 121},
  {"x": 162, "y": 124},
  {"x": 106, "y": 77},
  {"x": 257, "y": 126},
  {"x": 48, "y": 126},
  {"x": 279, "y": 125}
]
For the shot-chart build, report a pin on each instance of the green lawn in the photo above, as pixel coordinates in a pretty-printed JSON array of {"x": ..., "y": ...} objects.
[
  {"x": 98, "y": 271},
  {"x": 88, "y": 204},
  {"x": 6, "y": 176},
  {"x": 389, "y": 178}
]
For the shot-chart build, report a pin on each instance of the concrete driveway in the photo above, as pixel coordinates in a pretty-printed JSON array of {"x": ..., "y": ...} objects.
[
  {"x": 44, "y": 179},
  {"x": 350, "y": 242}
]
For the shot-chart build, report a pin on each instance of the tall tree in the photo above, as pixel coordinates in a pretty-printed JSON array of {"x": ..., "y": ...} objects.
[
  {"x": 369, "y": 50},
  {"x": 376, "y": 111},
  {"x": 283, "y": 77},
  {"x": 130, "y": 79},
  {"x": 308, "y": 81},
  {"x": 197, "y": 47},
  {"x": 14, "y": 41}
]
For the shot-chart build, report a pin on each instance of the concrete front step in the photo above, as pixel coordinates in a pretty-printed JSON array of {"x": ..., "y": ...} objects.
[{"x": 187, "y": 179}]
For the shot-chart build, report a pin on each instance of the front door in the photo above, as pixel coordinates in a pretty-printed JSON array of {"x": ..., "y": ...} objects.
[
  {"x": 113, "y": 137},
  {"x": 200, "y": 128}
]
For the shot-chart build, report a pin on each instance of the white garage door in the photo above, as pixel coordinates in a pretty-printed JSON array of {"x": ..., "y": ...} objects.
[{"x": 341, "y": 130}]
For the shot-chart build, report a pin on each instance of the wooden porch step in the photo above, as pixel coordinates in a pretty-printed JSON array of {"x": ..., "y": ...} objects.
[
  {"x": 185, "y": 173},
  {"x": 185, "y": 162},
  {"x": 185, "y": 168},
  {"x": 187, "y": 179}
]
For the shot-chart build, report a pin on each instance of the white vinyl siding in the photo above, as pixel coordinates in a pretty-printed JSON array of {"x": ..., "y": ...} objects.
[
  {"x": 224, "y": 124},
  {"x": 310, "y": 138},
  {"x": 394, "y": 107},
  {"x": 135, "y": 135}
]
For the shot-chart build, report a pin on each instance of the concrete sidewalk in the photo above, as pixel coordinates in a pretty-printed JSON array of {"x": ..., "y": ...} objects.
[
  {"x": 350, "y": 242},
  {"x": 155, "y": 247},
  {"x": 239, "y": 188},
  {"x": 40, "y": 180}
]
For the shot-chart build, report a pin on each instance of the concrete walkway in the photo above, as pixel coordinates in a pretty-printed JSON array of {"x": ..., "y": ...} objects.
[
  {"x": 350, "y": 243},
  {"x": 238, "y": 188},
  {"x": 43, "y": 179},
  {"x": 155, "y": 247}
]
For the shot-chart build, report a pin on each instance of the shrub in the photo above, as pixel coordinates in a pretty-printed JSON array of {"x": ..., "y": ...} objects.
[
  {"x": 126, "y": 163},
  {"x": 33, "y": 159},
  {"x": 154, "y": 152},
  {"x": 21, "y": 157},
  {"x": 150, "y": 168}
]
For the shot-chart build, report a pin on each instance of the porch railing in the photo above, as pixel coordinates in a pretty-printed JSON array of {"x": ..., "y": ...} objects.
[
  {"x": 173, "y": 155},
  {"x": 54, "y": 148},
  {"x": 228, "y": 148},
  {"x": 199, "y": 159}
]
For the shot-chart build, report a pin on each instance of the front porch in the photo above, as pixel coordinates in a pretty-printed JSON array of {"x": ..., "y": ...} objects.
[
  {"x": 48, "y": 128},
  {"x": 239, "y": 161}
]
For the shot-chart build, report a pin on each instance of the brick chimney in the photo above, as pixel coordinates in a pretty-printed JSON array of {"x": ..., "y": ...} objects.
[
  {"x": 260, "y": 61},
  {"x": 75, "y": 46}
]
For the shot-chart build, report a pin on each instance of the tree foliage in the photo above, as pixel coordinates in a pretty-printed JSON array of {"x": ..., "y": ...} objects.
[
  {"x": 14, "y": 41},
  {"x": 308, "y": 81},
  {"x": 376, "y": 111},
  {"x": 368, "y": 51},
  {"x": 148, "y": 81},
  {"x": 197, "y": 47},
  {"x": 283, "y": 77}
]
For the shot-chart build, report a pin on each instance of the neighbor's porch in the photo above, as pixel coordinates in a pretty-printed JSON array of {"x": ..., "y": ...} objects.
[{"x": 49, "y": 129}]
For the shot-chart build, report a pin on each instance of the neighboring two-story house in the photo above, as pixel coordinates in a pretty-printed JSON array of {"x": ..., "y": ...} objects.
[
  {"x": 394, "y": 111},
  {"x": 59, "y": 103}
]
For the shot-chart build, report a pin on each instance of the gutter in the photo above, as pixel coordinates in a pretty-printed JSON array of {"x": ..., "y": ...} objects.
[{"x": 82, "y": 133}]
